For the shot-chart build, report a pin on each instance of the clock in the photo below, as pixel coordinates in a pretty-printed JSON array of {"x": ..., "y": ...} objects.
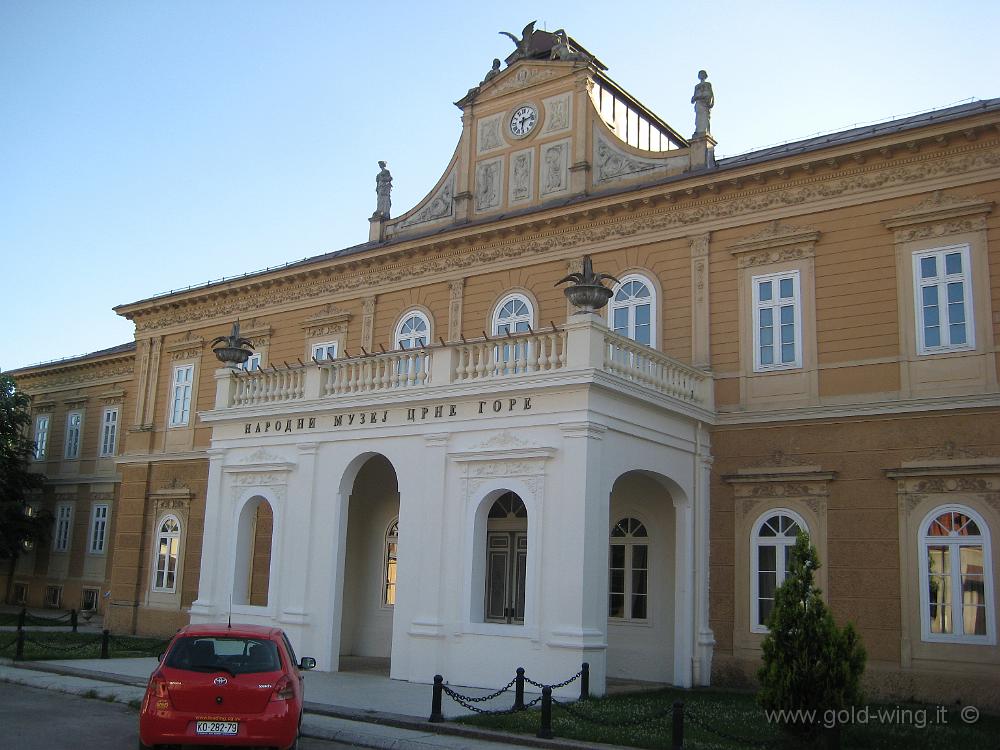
[{"x": 523, "y": 120}]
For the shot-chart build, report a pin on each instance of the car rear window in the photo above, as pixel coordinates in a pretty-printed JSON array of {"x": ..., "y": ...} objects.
[{"x": 224, "y": 654}]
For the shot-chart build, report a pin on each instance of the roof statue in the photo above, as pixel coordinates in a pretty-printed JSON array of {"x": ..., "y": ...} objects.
[
  {"x": 523, "y": 44},
  {"x": 703, "y": 101},
  {"x": 494, "y": 71},
  {"x": 561, "y": 49},
  {"x": 383, "y": 186}
]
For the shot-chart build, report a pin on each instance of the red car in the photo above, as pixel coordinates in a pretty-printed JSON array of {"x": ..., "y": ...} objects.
[{"x": 232, "y": 685}]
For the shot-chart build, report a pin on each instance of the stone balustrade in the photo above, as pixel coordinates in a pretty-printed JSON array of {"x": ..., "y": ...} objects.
[{"x": 583, "y": 345}]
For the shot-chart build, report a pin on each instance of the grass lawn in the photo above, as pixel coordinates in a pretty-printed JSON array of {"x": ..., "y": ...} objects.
[
  {"x": 714, "y": 717},
  {"x": 60, "y": 645}
]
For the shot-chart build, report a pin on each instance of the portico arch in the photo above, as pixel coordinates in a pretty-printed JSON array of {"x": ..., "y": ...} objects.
[
  {"x": 642, "y": 576},
  {"x": 366, "y": 603},
  {"x": 253, "y": 555}
]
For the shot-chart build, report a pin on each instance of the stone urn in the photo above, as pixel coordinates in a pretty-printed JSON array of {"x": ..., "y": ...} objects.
[
  {"x": 234, "y": 351},
  {"x": 587, "y": 291}
]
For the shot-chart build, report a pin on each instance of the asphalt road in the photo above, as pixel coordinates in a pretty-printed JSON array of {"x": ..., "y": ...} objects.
[{"x": 46, "y": 720}]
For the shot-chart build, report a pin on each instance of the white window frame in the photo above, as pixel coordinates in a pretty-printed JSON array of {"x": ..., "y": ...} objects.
[
  {"x": 391, "y": 537},
  {"x": 253, "y": 363},
  {"x": 324, "y": 351},
  {"x": 983, "y": 540},
  {"x": 109, "y": 431},
  {"x": 74, "y": 429},
  {"x": 783, "y": 545},
  {"x": 629, "y": 542},
  {"x": 515, "y": 319},
  {"x": 173, "y": 550},
  {"x": 99, "y": 516},
  {"x": 941, "y": 281},
  {"x": 775, "y": 304},
  {"x": 42, "y": 423},
  {"x": 180, "y": 411},
  {"x": 96, "y": 592},
  {"x": 631, "y": 305},
  {"x": 62, "y": 535},
  {"x": 400, "y": 340},
  {"x": 57, "y": 603}
]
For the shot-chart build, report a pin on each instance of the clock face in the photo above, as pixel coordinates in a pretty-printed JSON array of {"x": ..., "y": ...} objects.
[{"x": 523, "y": 121}]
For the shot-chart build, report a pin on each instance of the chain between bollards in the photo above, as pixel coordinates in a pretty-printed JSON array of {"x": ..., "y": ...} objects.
[
  {"x": 519, "y": 690},
  {"x": 105, "y": 639},
  {"x": 585, "y": 681},
  {"x": 436, "y": 715},
  {"x": 73, "y": 619}
]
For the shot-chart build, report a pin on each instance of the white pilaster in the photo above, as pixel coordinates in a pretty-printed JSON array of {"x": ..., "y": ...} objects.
[{"x": 206, "y": 606}]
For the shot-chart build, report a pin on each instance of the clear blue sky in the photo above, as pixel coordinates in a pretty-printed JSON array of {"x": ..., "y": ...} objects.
[{"x": 150, "y": 145}]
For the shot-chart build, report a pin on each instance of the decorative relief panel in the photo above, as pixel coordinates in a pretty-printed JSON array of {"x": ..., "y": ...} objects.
[
  {"x": 440, "y": 206},
  {"x": 558, "y": 113},
  {"x": 941, "y": 215},
  {"x": 455, "y": 300},
  {"x": 612, "y": 163},
  {"x": 368, "y": 323},
  {"x": 521, "y": 173},
  {"x": 489, "y": 184},
  {"x": 775, "y": 243},
  {"x": 488, "y": 136},
  {"x": 189, "y": 346},
  {"x": 327, "y": 321},
  {"x": 525, "y": 76},
  {"x": 553, "y": 168}
]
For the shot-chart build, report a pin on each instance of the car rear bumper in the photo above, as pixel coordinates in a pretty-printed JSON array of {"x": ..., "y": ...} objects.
[{"x": 277, "y": 726}]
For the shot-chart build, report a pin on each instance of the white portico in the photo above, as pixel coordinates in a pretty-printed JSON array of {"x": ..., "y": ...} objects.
[{"x": 452, "y": 508}]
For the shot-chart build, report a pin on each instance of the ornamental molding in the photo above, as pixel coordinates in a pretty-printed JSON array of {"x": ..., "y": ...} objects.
[
  {"x": 120, "y": 368},
  {"x": 778, "y": 482},
  {"x": 939, "y": 207},
  {"x": 776, "y": 243},
  {"x": 112, "y": 398},
  {"x": 441, "y": 205},
  {"x": 472, "y": 255},
  {"x": 941, "y": 229},
  {"x": 613, "y": 164},
  {"x": 173, "y": 490},
  {"x": 329, "y": 320},
  {"x": 700, "y": 245},
  {"x": 504, "y": 454},
  {"x": 189, "y": 346},
  {"x": 258, "y": 332},
  {"x": 527, "y": 75}
]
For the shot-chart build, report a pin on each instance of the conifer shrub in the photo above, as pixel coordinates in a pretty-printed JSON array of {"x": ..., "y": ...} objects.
[{"x": 809, "y": 664}]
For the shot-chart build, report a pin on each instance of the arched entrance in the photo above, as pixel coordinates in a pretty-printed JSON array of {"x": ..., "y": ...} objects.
[
  {"x": 254, "y": 538},
  {"x": 641, "y": 579},
  {"x": 370, "y": 567}
]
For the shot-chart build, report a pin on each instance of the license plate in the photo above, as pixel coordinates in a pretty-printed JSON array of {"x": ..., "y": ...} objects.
[{"x": 217, "y": 727}]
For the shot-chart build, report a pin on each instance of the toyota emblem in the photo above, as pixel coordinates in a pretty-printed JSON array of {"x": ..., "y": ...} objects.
[{"x": 221, "y": 680}]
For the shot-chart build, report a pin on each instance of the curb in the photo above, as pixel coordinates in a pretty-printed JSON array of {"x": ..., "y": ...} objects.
[{"x": 319, "y": 710}]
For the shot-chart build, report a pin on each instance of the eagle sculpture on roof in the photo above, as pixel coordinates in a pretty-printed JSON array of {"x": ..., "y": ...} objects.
[{"x": 524, "y": 43}]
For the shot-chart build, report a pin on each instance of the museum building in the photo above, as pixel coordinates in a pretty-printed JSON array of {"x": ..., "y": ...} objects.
[{"x": 435, "y": 458}]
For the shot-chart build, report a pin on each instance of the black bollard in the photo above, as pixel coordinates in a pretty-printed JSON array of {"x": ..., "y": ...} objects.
[
  {"x": 678, "y": 726},
  {"x": 545, "y": 730},
  {"x": 436, "y": 715},
  {"x": 105, "y": 638},
  {"x": 585, "y": 681},
  {"x": 73, "y": 619},
  {"x": 19, "y": 649},
  {"x": 519, "y": 690},
  {"x": 21, "y": 617}
]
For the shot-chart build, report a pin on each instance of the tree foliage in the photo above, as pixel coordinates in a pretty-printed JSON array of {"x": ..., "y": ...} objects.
[
  {"x": 809, "y": 663},
  {"x": 17, "y": 527}
]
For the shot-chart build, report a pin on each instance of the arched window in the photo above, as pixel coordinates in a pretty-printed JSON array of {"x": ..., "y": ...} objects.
[
  {"x": 628, "y": 571},
  {"x": 413, "y": 331},
  {"x": 168, "y": 540},
  {"x": 632, "y": 309},
  {"x": 389, "y": 579},
  {"x": 956, "y": 585},
  {"x": 771, "y": 544},
  {"x": 506, "y": 559},
  {"x": 512, "y": 315}
]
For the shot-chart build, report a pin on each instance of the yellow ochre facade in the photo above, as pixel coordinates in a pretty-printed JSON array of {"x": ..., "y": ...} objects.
[{"x": 808, "y": 332}]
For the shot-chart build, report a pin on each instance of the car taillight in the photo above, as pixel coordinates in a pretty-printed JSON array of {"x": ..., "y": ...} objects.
[
  {"x": 283, "y": 690},
  {"x": 158, "y": 686}
]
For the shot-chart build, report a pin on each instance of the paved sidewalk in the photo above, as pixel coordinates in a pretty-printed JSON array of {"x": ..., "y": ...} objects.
[{"x": 363, "y": 709}]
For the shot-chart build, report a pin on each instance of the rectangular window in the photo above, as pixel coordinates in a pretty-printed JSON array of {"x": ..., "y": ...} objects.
[
  {"x": 88, "y": 602},
  {"x": 327, "y": 350},
  {"x": 777, "y": 322},
  {"x": 180, "y": 398},
  {"x": 64, "y": 520},
  {"x": 252, "y": 363},
  {"x": 53, "y": 596},
  {"x": 109, "y": 431},
  {"x": 20, "y": 593},
  {"x": 41, "y": 435},
  {"x": 943, "y": 287},
  {"x": 98, "y": 529},
  {"x": 73, "y": 421}
]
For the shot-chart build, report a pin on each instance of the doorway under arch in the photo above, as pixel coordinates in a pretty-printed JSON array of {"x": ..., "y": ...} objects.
[
  {"x": 370, "y": 567},
  {"x": 254, "y": 539}
]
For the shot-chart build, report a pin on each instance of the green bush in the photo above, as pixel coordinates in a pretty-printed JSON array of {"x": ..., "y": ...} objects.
[{"x": 810, "y": 665}]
